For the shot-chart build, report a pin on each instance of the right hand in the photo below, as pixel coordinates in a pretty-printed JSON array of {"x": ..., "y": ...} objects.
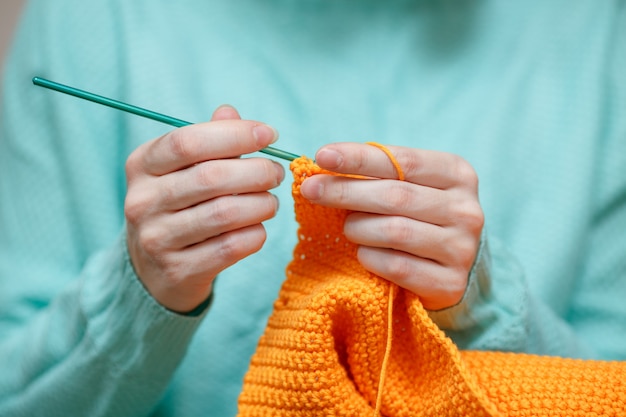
[{"x": 193, "y": 207}]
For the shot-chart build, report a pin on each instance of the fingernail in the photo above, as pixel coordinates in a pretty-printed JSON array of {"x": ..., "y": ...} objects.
[
  {"x": 264, "y": 135},
  {"x": 328, "y": 158},
  {"x": 280, "y": 171},
  {"x": 312, "y": 190},
  {"x": 277, "y": 202}
]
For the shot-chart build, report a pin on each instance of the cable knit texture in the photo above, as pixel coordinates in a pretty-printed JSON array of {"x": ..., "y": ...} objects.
[{"x": 323, "y": 348}]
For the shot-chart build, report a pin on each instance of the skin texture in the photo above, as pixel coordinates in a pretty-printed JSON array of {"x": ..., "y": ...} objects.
[
  {"x": 194, "y": 208},
  {"x": 422, "y": 233}
]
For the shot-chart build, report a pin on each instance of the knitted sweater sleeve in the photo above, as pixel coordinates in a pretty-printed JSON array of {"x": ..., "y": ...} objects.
[
  {"x": 79, "y": 334},
  {"x": 500, "y": 312}
]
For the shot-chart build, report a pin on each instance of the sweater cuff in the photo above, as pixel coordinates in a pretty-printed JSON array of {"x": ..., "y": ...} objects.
[
  {"x": 460, "y": 316},
  {"x": 125, "y": 323}
]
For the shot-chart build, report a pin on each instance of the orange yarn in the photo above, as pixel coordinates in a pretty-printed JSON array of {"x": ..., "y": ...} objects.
[
  {"x": 392, "y": 158},
  {"x": 324, "y": 344},
  {"x": 383, "y": 368}
]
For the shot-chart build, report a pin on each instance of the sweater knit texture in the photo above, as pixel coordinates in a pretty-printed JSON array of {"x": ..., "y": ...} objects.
[
  {"x": 324, "y": 345},
  {"x": 531, "y": 93}
]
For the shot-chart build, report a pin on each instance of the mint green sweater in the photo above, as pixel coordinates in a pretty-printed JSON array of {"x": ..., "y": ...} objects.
[{"x": 532, "y": 93}]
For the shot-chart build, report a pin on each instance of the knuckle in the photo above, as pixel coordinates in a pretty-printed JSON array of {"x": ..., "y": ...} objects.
[
  {"x": 396, "y": 198},
  {"x": 152, "y": 242},
  {"x": 234, "y": 247},
  {"x": 477, "y": 222},
  {"x": 469, "y": 214},
  {"x": 230, "y": 250},
  {"x": 134, "y": 208},
  {"x": 362, "y": 160},
  {"x": 173, "y": 273},
  {"x": 445, "y": 291},
  {"x": 343, "y": 191},
  {"x": 357, "y": 162},
  {"x": 397, "y": 231},
  {"x": 223, "y": 212},
  {"x": 465, "y": 254},
  {"x": 454, "y": 287},
  {"x": 208, "y": 175},
  {"x": 178, "y": 144},
  {"x": 474, "y": 218},
  {"x": 132, "y": 162},
  {"x": 166, "y": 194},
  {"x": 398, "y": 269},
  {"x": 460, "y": 252},
  {"x": 335, "y": 189},
  {"x": 465, "y": 172},
  {"x": 414, "y": 163}
]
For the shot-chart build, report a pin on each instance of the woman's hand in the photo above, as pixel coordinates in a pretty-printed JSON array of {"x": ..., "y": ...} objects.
[
  {"x": 193, "y": 207},
  {"x": 422, "y": 233}
]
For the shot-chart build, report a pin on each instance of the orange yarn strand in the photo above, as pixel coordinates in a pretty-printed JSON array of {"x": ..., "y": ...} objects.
[
  {"x": 392, "y": 158},
  {"x": 383, "y": 370}
]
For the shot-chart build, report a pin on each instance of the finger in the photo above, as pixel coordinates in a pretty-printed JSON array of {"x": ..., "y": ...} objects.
[
  {"x": 201, "y": 142},
  {"x": 213, "y": 218},
  {"x": 207, "y": 180},
  {"x": 383, "y": 197},
  {"x": 430, "y": 168},
  {"x": 225, "y": 112},
  {"x": 196, "y": 266},
  {"x": 445, "y": 246},
  {"x": 438, "y": 287},
  {"x": 224, "y": 250}
]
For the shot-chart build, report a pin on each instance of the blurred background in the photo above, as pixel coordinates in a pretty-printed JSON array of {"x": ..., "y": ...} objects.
[{"x": 9, "y": 13}]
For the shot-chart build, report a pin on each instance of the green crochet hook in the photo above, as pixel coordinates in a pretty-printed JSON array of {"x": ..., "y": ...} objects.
[{"x": 42, "y": 82}]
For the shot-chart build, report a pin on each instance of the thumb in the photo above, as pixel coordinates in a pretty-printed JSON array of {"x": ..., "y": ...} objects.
[{"x": 225, "y": 112}]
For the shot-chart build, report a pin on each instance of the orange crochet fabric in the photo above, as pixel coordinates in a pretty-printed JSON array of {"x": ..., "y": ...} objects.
[{"x": 323, "y": 348}]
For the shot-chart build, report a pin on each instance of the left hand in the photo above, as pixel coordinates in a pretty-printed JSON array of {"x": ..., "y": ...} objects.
[{"x": 422, "y": 233}]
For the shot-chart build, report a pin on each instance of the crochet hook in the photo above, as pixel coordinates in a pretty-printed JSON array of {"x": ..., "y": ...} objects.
[{"x": 119, "y": 105}]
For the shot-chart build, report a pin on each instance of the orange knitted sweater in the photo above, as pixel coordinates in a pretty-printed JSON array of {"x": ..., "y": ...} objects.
[{"x": 324, "y": 345}]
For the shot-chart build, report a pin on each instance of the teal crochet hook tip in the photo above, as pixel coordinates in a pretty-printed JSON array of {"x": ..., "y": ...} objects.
[{"x": 119, "y": 105}]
